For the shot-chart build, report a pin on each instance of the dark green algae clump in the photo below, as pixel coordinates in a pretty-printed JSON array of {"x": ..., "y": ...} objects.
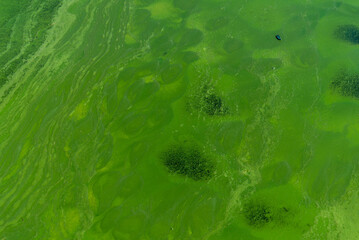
[
  {"x": 347, "y": 32},
  {"x": 187, "y": 161},
  {"x": 257, "y": 214},
  {"x": 207, "y": 102},
  {"x": 213, "y": 105},
  {"x": 346, "y": 84}
]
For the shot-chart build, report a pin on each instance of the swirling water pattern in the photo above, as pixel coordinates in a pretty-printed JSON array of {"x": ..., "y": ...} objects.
[{"x": 178, "y": 119}]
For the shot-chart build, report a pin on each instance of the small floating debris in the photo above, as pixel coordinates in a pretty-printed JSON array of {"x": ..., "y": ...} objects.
[{"x": 278, "y": 37}]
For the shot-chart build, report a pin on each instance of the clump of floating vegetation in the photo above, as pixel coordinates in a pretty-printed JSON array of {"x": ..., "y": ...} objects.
[
  {"x": 257, "y": 214},
  {"x": 348, "y": 32},
  {"x": 212, "y": 104},
  {"x": 187, "y": 161},
  {"x": 346, "y": 84},
  {"x": 207, "y": 101}
]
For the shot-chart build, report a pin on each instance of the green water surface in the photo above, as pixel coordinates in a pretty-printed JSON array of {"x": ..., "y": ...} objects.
[{"x": 179, "y": 119}]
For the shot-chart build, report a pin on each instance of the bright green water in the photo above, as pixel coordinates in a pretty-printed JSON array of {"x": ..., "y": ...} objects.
[{"x": 97, "y": 94}]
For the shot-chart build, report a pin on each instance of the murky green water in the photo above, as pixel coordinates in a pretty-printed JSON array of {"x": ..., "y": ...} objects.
[{"x": 179, "y": 119}]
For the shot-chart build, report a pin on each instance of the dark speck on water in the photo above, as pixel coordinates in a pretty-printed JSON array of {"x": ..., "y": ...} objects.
[{"x": 278, "y": 37}]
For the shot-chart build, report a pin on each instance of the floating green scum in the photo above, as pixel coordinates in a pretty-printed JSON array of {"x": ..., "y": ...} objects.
[{"x": 179, "y": 120}]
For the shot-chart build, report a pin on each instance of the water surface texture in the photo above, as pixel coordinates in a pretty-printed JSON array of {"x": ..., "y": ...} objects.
[{"x": 179, "y": 119}]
